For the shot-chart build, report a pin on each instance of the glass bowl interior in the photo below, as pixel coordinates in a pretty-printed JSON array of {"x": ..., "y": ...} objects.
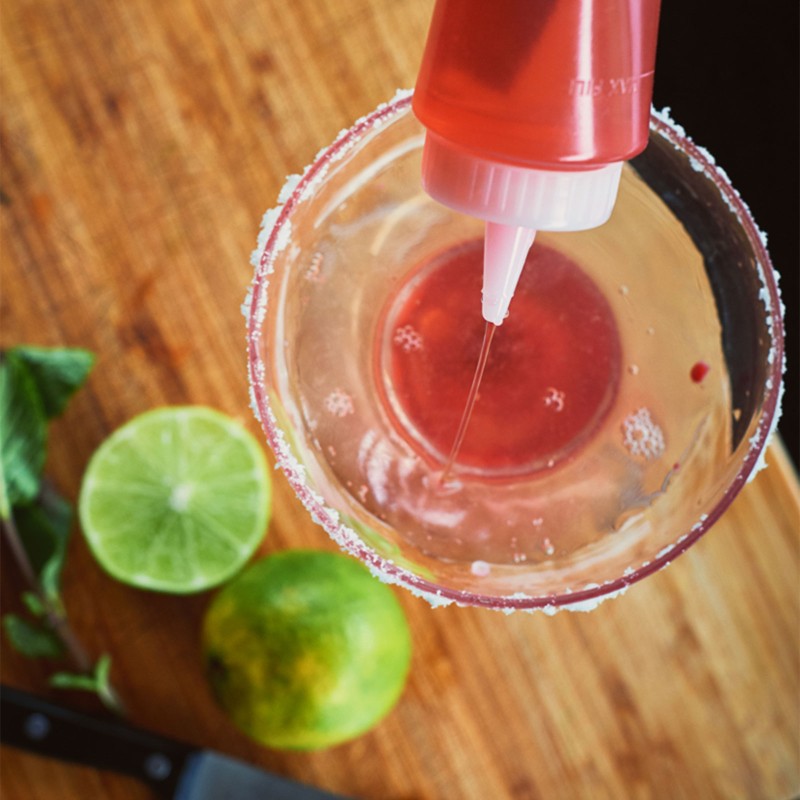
[{"x": 693, "y": 396}]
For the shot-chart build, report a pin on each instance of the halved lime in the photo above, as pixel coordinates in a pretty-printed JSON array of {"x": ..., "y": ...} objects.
[{"x": 176, "y": 500}]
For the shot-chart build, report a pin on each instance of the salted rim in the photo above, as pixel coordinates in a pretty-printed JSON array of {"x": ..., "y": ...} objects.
[{"x": 275, "y": 235}]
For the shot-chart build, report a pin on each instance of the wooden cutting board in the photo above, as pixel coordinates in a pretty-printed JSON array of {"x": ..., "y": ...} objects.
[{"x": 142, "y": 141}]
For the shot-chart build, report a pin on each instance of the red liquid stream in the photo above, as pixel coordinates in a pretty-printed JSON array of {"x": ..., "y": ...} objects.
[
  {"x": 549, "y": 384},
  {"x": 466, "y": 416}
]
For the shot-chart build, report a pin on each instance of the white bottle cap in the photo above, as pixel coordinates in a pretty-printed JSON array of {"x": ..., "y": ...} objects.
[
  {"x": 541, "y": 199},
  {"x": 515, "y": 202}
]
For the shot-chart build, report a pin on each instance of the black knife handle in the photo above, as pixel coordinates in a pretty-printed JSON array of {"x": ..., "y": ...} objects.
[{"x": 33, "y": 724}]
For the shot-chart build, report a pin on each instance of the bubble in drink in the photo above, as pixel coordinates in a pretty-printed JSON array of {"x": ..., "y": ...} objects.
[
  {"x": 642, "y": 436},
  {"x": 314, "y": 271},
  {"x": 554, "y": 399},
  {"x": 408, "y": 339},
  {"x": 339, "y": 403},
  {"x": 480, "y": 569}
]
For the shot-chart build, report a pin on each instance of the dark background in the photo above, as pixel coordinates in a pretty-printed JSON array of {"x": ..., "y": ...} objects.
[{"x": 729, "y": 72}]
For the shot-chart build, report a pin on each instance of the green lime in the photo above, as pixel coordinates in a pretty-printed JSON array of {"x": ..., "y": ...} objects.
[
  {"x": 306, "y": 649},
  {"x": 176, "y": 500}
]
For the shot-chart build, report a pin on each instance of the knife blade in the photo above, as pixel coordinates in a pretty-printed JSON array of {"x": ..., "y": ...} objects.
[{"x": 173, "y": 769}]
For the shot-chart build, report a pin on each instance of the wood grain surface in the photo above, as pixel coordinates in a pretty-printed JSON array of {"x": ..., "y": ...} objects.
[{"x": 142, "y": 141}]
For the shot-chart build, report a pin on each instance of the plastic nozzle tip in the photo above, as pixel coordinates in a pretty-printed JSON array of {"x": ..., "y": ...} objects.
[{"x": 504, "y": 252}]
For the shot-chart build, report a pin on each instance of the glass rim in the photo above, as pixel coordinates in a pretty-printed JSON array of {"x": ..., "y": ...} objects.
[{"x": 275, "y": 235}]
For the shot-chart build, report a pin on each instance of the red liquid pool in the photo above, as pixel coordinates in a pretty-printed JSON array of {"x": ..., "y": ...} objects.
[{"x": 551, "y": 377}]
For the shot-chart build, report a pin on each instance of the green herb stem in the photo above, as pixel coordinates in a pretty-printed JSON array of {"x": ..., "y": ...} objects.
[
  {"x": 18, "y": 551},
  {"x": 55, "y": 616}
]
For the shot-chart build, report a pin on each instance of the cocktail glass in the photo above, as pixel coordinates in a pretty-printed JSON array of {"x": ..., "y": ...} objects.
[{"x": 691, "y": 400}]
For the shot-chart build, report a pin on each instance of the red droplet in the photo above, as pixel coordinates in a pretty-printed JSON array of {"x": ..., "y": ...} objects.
[{"x": 699, "y": 371}]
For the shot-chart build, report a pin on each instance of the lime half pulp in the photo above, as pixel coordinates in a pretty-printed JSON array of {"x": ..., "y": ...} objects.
[{"x": 176, "y": 500}]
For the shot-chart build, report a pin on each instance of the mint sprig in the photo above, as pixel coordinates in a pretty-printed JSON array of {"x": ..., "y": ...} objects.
[
  {"x": 58, "y": 373},
  {"x": 32, "y": 639},
  {"x": 23, "y": 435},
  {"x": 35, "y": 386}
]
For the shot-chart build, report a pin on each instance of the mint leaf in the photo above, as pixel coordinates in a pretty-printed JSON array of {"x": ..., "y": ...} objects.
[
  {"x": 23, "y": 436},
  {"x": 73, "y": 680},
  {"x": 57, "y": 372},
  {"x": 31, "y": 639},
  {"x": 43, "y": 529},
  {"x": 98, "y": 682},
  {"x": 34, "y": 604},
  {"x": 102, "y": 673}
]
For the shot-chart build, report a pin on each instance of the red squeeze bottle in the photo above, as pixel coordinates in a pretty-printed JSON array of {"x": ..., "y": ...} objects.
[{"x": 531, "y": 107}]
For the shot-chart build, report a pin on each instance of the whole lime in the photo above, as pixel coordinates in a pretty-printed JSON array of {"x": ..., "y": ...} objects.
[{"x": 305, "y": 649}]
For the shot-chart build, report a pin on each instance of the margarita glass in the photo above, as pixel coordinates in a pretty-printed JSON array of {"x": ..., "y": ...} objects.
[{"x": 628, "y": 398}]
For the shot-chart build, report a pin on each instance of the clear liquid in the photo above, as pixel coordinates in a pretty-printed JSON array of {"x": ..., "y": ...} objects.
[{"x": 641, "y": 452}]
